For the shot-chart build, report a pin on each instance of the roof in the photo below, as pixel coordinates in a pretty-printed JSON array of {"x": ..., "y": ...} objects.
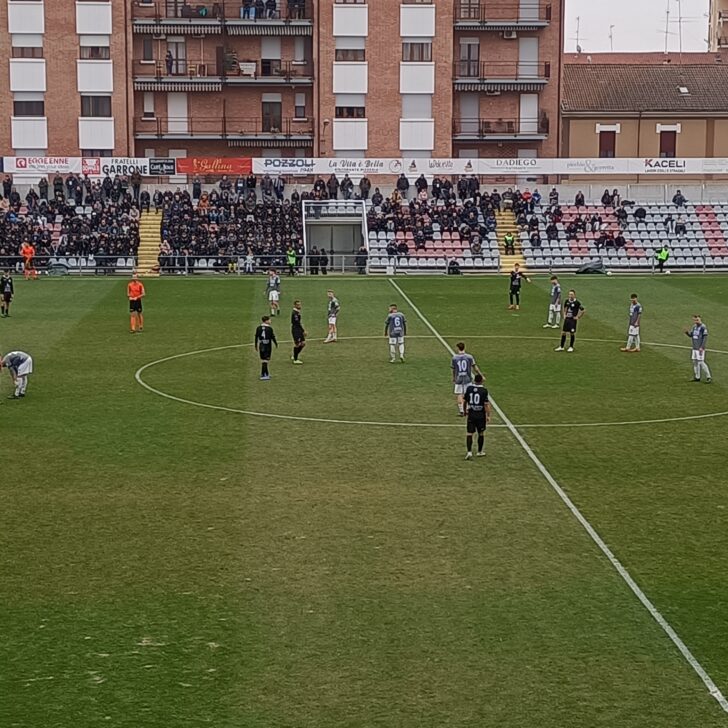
[{"x": 609, "y": 87}]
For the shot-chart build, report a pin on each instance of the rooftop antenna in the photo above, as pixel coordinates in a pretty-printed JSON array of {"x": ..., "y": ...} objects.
[
  {"x": 611, "y": 38},
  {"x": 667, "y": 26},
  {"x": 578, "y": 27}
]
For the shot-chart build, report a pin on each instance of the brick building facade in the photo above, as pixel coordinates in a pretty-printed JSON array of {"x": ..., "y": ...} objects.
[{"x": 383, "y": 78}]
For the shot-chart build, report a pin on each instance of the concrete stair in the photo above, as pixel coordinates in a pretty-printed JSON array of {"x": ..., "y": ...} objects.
[
  {"x": 506, "y": 222},
  {"x": 150, "y": 237}
]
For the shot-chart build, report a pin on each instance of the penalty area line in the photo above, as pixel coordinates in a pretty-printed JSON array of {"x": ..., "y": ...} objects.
[{"x": 684, "y": 650}]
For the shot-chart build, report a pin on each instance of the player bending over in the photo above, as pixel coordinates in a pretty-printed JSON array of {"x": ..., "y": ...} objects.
[
  {"x": 463, "y": 366},
  {"x": 298, "y": 334},
  {"x": 573, "y": 311},
  {"x": 395, "y": 327},
  {"x": 135, "y": 291},
  {"x": 6, "y": 293},
  {"x": 273, "y": 289},
  {"x": 332, "y": 312},
  {"x": 20, "y": 366},
  {"x": 633, "y": 332},
  {"x": 477, "y": 409},
  {"x": 264, "y": 340},
  {"x": 554, "y": 316},
  {"x": 699, "y": 337}
]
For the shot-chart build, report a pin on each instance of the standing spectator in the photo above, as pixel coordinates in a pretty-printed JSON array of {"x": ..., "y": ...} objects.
[
  {"x": 364, "y": 186},
  {"x": 313, "y": 261},
  {"x": 347, "y": 187},
  {"x": 579, "y": 199},
  {"x": 361, "y": 259},
  {"x": 606, "y": 199},
  {"x": 279, "y": 187},
  {"x": 259, "y": 9},
  {"x": 58, "y": 186},
  {"x": 462, "y": 188},
  {"x": 250, "y": 182},
  {"x": 669, "y": 224},
  {"x": 225, "y": 184},
  {"x": 323, "y": 261},
  {"x": 319, "y": 186},
  {"x": 332, "y": 187},
  {"x": 553, "y": 197},
  {"x": 679, "y": 200},
  {"x": 403, "y": 185},
  {"x": 71, "y": 185},
  {"x": 169, "y": 62},
  {"x": 239, "y": 186},
  {"x": 421, "y": 184},
  {"x": 616, "y": 198},
  {"x": 106, "y": 187},
  {"x": 8, "y": 185},
  {"x": 377, "y": 197},
  {"x": 266, "y": 187},
  {"x": 436, "y": 188},
  {"x": 42, "y": 188},
  {"x": 291, "y": 260},
  {"x": 270, "y": 7},
  {"x": 248, "y": 10},
  {"x": 196, "y": 188},
  {"x": 136, "y": 185}
]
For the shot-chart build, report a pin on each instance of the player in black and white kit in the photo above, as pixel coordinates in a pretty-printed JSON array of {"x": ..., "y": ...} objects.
[
  {"x": 517, "y": 279},
  {"x": 573, "y": 311},
  {"x": 477, "y": 411},
  {"x": 298, "y": 334},
  {"x": 6, "y": 293},
  {"x": 264, "y": 339}
]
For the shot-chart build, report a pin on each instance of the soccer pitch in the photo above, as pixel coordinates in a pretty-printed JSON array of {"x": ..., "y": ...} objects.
[{"x": 170, "y": 559}]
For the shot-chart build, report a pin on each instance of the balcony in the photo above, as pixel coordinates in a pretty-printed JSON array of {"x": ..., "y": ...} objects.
[
  {"x": 191, "y": 75},
  {"x": 236, "y": 131},
  {"x": 500, "y": 130},
  {"x": 500, "y": 76},
  {"x": 510, "y": 15},
  {"x": 178, "y": 17}
]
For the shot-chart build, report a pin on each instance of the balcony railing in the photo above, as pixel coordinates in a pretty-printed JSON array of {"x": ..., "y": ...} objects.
[
  {"x": 528, "y": 71},
  {"x": 231, "y": 70},
  {"x": 485, "y": 128},
  {"x": 510, "y": 12},
  {"x": 219, "y": 10},
  {"x": 224, "y": 127}
]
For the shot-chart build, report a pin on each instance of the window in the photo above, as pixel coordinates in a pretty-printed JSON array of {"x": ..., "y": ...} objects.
[
  {"x": 148, "y": 105},
  {"x": 299, "y": 111},
  {"x": 96, "y": 106},
  {"x": 97, "y": 152},
  {"x": 668, "y": 144},
  {"x": 27, "y": 52},
  {"x": 417, "y": 52},
  {"x": 350, "y": 112},
  {"x": 350, "y": 54},
  {"x": 272, "y": 117},
  {"x": 147, "y": 49},
  {"x": 607, "y": 144},
  {"x": 28, "y": 108},
  {"x": 416, "y": 106},
  {"x": 95, "y": 53}
]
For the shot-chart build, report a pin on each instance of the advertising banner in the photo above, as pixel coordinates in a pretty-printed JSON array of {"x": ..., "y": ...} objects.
[
  {"x": 590, "y": 166},
  {"x": 214, "y": 165},
  {"x": 159, "y": 167},
  {"x": 111, "y": 166},
  {"x": 42, "y": 165},
  {"x": 662, "y": 165},
  {"x": 301, "y": 166},
  {"x": 515, "y": 166}
]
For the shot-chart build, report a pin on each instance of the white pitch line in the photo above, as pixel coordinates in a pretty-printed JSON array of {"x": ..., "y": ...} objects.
[{"x": 699, "y": 670}]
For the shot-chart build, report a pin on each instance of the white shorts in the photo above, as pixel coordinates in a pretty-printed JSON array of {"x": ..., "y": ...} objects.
[
  {"x": 26, "y": 368},
  {"x": 396, "y": 340},
  {"x": 273, "y": 296},
  {"x": 460, "y": 388},
  {"x": 555, "y": 307},
  {"x": 698, "y": 355},
  {"x": 332, "y": 320},
  {"x": 634, "y": 331}
]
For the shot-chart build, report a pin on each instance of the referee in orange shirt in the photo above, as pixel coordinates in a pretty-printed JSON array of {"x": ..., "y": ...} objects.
[{"x": 135, "y": 291}]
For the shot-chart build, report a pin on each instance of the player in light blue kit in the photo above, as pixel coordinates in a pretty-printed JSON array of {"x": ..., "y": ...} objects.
[
  {"x": 633, "y": 333},
  {"x": 554, "y": 317},
  {"x": 20, "y": 366},
  {"x": 699, "y": 337},
  {"x": 395, "y": 327},
  {"x": 463, "y": 367}
]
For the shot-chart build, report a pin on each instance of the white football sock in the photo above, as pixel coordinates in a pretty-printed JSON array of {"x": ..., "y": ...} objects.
[
  {"x": 630, "y": 342},
  {"x": 401, "y": 349},
  {"x": 637, "y": 341},
  {"x": 696, "y": 369},
  {"x": 392, "y": 350},
  {"x": 558, "y": 318},
  {"x": 551, "y": 317},
  {"x": 705, "y": 370}
]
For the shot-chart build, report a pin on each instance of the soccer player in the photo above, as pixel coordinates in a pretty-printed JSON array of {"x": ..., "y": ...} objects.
[
  {"x": 477, "y": 409},
  {"x": 573, "y": 311},
  {"x": 273, "y": 289},
  {"x": 20, "y": 366},
  {"x": 554, "y": 316},
  {"x": 135, "y": 291},
  {"x": 463, "y": 366},
  {"x": 264, "y": 339},
  {"x": 6, "y": 293},
  {"x": 517, "y": 279},
  {"x": 395, "y": 327},
  {"x": 298, "y": 334},
  {"x": 333, "y": 311},
  {"x": 27, "y": 250},
  {"x": 633, "y": 333},
  {"x": 699, "y": 336}
]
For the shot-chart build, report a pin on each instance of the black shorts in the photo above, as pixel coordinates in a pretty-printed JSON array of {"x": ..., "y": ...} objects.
[
  {"x": 135, "y": 306},
  {"x": 7, "y": 296},
  {"x": 569, "y": 325},
  {"x": 298, "y": 336},
  {"x": 476, "y": 423},
  {"x": 265, "y": 352}
]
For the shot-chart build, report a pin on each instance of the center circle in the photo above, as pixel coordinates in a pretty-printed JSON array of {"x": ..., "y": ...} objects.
[{"x": 138, "y": 375}]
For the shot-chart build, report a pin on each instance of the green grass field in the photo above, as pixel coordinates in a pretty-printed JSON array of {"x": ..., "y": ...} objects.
[{"x": 170, "y": 565}]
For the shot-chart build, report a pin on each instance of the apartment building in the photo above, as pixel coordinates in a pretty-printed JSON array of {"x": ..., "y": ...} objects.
[
  {"x": 347, "y": 78},
  {"x": 66, "y": 90}
]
